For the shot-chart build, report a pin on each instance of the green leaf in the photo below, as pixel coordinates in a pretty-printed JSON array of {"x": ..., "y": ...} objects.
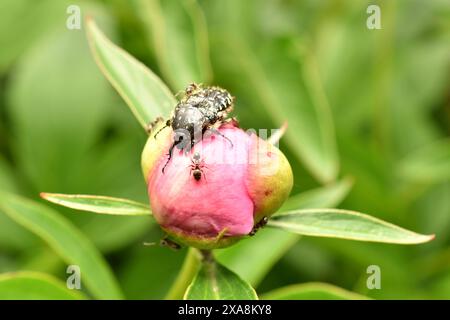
[
  {"x": 428, "y": 164},
  {"x": 35, "y": 286},
  {"x": 66, "y": 240},
  {"x": 98, "y": 204},
  {"x": 107, "y": 234},
  {"x": 179, "y": 37},
  {"x": 252, "y": 260},
  {"x": 146, "y": 95},
  {"x": 323, "y": 197},
  {"x": 312, "y": 291},
  {"x": 345, "y": 224},
  {"x": 12, "y": 236},
  {"x": 215, "y": 282}
]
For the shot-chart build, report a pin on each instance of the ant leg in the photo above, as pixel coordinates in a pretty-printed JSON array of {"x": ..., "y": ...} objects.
[
  {"x": 215, "y": 131},
  {"x": 204, "y": 166},
  {"x": 191, "y": 168}
]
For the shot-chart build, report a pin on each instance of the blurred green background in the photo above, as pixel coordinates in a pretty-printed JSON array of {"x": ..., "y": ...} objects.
[{"x": 369, "y": 106}]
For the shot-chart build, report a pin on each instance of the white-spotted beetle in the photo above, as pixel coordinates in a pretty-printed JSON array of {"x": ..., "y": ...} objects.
[{"x": 201, "y": 108}]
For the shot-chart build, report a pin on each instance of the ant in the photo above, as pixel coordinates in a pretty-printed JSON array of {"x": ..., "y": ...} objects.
[
  {"x": 259, "y": 225},
  {"x": 196, "y": 166},
  {"x": 165, "y": 242}
]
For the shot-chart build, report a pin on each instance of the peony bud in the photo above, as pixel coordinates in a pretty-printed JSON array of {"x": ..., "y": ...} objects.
[{"x": 242, "y": 180}]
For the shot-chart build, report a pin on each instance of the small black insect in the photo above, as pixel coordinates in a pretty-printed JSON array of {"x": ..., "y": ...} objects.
[
  {"x": 196, "y": 166},
  {"x": 201, "y": 108},
  {"x": 165, "y": 242},
  {"x": 259, "y": 225}
]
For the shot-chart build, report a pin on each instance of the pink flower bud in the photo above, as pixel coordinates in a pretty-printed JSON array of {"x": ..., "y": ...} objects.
[{"x": 240, "y": 179}]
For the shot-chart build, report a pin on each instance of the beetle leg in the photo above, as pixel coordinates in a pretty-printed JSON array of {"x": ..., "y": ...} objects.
[
  {"x": 168, "y": 124},
  {"x": 171, "y": 152},
  {"x": 215, "y": 131}
]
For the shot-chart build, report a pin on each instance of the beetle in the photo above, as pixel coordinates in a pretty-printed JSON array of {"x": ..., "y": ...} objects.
[
  {"x": 200, "y": 109},
  {"x": 196, "y": 166}
]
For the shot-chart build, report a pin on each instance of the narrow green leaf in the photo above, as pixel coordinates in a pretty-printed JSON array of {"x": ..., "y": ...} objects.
[
  {"x": 252, "y": 259},
  {"x": 146, "y": 95},
  {"x": 179, "y": 37},
  {"x": 345, "y": 224},
  {"x": 98, "y": 204},
  {"x": 66, "y": 240},
  {"x": 312, "y": 291},
  {"x": 35, "y": 286},
  {"x": 12, "y": 236},
  {"x": 319, "y": 198},
  {"x": 215, "y": 282}
]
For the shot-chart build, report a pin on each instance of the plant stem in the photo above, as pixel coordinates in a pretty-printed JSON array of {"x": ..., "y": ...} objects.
[
  {"x": 187, "y": 273},
  {"x": 207, "y": 256}
]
